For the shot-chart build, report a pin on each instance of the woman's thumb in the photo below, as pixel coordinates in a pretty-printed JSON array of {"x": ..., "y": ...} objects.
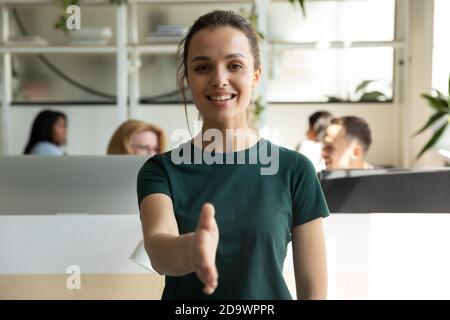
[{"x": 206, "y": 219}]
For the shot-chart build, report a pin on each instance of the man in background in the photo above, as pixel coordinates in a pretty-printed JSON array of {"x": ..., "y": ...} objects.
[{"x": 346, "y": 143}]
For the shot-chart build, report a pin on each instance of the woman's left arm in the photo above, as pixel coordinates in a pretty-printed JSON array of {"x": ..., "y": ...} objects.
[{"x": 309, "y": 256}]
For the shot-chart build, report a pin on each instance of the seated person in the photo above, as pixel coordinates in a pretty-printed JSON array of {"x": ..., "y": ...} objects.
[
  {"x": 346, "y": 143},
  {"x": 137, "y": 138},
  {"x": 48, "y": 133},
  {"x": 312, "y": 146}
]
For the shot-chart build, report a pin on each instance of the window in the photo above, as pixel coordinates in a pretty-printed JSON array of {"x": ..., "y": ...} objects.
[
  {"x": 441, "y": 50},
  {"x": 342, "y": 51}
]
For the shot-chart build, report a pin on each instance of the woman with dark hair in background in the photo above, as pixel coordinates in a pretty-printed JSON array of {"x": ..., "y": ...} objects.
[{"x": 48, "y": 133}]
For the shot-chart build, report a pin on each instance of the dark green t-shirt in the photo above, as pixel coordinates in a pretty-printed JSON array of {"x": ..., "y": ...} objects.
[{"x": 256, "y": 211}]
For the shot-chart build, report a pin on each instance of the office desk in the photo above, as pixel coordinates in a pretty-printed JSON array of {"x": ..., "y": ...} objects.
[{"x": 36, "y": 251}]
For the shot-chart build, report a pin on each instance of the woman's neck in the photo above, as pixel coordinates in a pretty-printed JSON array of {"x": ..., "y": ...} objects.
[{"x": 223, "y": 137}]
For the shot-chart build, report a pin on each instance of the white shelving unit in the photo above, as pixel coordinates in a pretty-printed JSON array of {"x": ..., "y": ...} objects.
[
  {"x": 120, "y": 50},
  {"x": 127, "y": 51}
]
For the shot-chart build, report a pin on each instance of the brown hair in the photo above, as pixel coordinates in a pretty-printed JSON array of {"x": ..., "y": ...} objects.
[
  {"x": 119, "y": 141},
  {"x": 319, "y": 122},
  {"x": 357, "y": 128},
  {"x": 214, "y": 19}
]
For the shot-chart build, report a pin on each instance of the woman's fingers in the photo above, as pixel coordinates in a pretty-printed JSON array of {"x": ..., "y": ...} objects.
[
  {"x": 207, "y": 238},
  {"x": 209, "y": 277}
]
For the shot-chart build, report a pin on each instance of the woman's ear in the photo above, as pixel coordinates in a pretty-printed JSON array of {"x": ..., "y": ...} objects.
[{"x": 256, "y": 76}]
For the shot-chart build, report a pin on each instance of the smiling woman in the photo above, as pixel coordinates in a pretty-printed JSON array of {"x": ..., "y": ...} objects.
[
  {"x": 221, "y": 84},
  {"x": 220, "y": 230},
  {"x": 205, "y": 58}
]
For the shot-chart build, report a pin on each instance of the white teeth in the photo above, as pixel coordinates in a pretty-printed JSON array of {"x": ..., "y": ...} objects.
[{"x": 220, "y": 98}]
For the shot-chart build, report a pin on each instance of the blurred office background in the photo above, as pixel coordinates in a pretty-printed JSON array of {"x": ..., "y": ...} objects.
[{"x": 398, "y": 48}]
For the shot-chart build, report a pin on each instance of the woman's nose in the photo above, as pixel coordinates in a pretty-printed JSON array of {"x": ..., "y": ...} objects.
[{"x": 219, "y": 79}]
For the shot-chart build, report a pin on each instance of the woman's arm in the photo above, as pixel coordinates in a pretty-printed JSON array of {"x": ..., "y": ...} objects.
[
  {"x": 175, "y": 255},
  {"x": 308, "y": 249}
]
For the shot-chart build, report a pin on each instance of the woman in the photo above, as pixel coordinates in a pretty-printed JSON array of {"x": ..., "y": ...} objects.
[
  {"x": 138, "y": 138},
  {"x": 220, "y": 231},
  {"x": 48, "y": 133}
]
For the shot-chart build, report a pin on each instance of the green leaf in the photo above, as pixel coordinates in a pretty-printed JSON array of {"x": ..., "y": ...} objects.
[
  {"x": 66, "y": 3},
  {"x": 363, "y": 85},
  {"x": 373, "y": 96},
  {"x": 301, "y": 3},
  {"x": 334, "y": 99},
  {"x": 439, "y": 94},
  {"x": 60, "y": 24},
  {"x": 433, "y": 139},
  {"x": 433, "y": 119},
  {"x": 437, "y": 103}
]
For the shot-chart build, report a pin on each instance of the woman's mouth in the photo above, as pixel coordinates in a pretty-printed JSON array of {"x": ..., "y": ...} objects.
[{"x": 225, "y": 97}]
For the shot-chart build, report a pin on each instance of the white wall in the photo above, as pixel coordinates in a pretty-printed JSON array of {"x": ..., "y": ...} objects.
[{"x": 370, "y": 256}]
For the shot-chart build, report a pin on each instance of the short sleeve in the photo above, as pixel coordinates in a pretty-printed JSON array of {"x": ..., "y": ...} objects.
[
  {"x": 152, "y": 178},
  {"x": 308, "y": 200}
]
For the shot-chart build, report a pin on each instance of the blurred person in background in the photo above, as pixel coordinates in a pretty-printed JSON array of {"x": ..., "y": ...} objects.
[
  {"x": 346, "y": 144},
  {"x": 137, "y": 138},
  {"x": 312, "y": 146},
  {"x": 48, "y": 134}
]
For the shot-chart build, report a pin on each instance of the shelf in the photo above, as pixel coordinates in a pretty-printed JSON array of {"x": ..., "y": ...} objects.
[
  {"x": 334, "y": 44},
  {"x": 107, "y": 2},
  {"x": 188, "y": 1},
  {"x": 57, "y": 49},
  {"x": 51, "y": 2},
  {"x": 159, "y": 48}
]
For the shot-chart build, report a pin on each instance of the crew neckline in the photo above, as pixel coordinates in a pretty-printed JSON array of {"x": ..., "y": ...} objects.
[{"x": 249, "y": 150}]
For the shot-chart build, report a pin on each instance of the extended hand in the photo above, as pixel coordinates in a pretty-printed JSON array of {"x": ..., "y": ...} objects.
[{"x": 204, "y": 249}]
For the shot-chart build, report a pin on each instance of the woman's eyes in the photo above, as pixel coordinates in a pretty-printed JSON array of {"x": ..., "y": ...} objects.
[
  {"x": 202, "y": 68},
  {"x": 207, "y": 68},
  {"x": 235, "y": 67}
]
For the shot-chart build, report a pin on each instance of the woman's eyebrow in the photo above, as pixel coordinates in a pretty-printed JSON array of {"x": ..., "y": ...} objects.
[
  {"x": 200, "y": 58},
  {"x": 228, "y": 56},
  {"x": 234, "y": 55}
]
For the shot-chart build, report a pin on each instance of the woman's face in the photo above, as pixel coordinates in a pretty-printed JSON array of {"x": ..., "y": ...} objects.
[
  {"x": 221, "y": 73},
  {"x": 144, "y": 143},
  {"x": 60, "y": 131}
]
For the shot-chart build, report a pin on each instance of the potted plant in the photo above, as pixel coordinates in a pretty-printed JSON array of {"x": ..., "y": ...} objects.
[
  {"x": 441, "y": 106},
  {"x": 361, "y": 94}
]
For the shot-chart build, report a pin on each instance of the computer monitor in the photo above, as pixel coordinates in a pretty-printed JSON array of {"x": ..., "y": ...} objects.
[
  {"x": 69, "y": 184},
  {"x": 387, "y": 190}
]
